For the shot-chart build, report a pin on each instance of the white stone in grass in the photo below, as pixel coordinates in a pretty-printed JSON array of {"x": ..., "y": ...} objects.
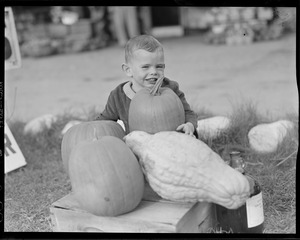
[
  {"x": 212, "y": 127},
  {"x": 38, "y": 124},
  {"x": 265, "y": 138},
  {"x": 69, "y": 125}
]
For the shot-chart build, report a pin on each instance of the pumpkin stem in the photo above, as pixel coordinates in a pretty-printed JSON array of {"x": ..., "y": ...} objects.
[{"x": 155, "y": 90}]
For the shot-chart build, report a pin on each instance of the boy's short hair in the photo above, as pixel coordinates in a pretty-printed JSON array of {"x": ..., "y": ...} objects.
[{"x": 145, "y": 42}]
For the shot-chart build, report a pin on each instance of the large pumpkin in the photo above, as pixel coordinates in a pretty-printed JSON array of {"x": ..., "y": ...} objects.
[
  {"x": 87, "y": 131},
  {"x": 152, "y": 111},
  {"x": 106, "y": 177}
]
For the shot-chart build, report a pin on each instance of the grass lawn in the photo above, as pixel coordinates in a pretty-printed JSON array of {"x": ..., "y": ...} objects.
[{"x": 30, "y": 190}]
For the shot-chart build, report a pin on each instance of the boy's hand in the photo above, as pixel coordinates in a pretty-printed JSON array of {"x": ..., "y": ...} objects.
[{"x": 187, "y": 128}]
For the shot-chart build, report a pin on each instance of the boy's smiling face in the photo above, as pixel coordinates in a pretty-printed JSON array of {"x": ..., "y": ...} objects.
[{"x": 145, "y": 68}]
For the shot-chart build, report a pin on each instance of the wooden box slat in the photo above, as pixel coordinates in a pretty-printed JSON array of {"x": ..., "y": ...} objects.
[
  {"x": 73, "y": 221},
  {"x": 153, "y": 214}
]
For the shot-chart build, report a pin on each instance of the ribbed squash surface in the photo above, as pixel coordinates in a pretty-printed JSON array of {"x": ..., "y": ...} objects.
[{"x": 182, "y": 168}]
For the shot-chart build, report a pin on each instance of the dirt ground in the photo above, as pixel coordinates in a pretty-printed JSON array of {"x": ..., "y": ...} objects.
[{"x": 214, "y": 78}]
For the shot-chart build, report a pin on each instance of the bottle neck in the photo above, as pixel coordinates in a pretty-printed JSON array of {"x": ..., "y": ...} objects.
[
  {"x": 237, "y": 162},
  {"x": 252, "y": 185}
]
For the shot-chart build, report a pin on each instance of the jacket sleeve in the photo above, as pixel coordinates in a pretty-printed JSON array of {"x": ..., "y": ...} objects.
[
  {"x": 190, "y": 115},
  {"x": 110, "y": 110}
]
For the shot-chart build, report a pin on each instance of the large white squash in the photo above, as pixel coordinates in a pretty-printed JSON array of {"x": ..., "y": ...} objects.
[{"x": 182, "y": 168}]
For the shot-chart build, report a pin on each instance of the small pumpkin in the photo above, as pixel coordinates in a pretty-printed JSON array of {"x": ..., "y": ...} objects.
[
  {"x": 155, "y": 110},
  {"x": 87, "y": 131},
  {"x": 181, "y": 168},
  {"x": 106, "y": 177}
]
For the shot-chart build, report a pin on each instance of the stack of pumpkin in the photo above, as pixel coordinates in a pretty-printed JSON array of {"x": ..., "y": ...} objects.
[{"x": 107, "y": 174}]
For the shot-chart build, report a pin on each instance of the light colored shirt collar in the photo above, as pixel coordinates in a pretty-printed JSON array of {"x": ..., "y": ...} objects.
[{"x": 127, "y": 88}]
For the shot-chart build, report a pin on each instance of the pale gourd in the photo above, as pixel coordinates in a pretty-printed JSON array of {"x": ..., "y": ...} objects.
[
  {"x": 212, "y": 127},
  {"x": 69, "y": 125},
  {"x": 39, "y": 124},
  {"x": 265, "y": 138},
  {"x": 182, "y": 168}
]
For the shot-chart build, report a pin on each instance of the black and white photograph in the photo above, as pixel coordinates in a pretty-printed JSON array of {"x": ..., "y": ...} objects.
[{"x": 150, "y": 119}]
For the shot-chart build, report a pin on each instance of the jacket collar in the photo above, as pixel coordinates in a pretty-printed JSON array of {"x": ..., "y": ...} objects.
[{"x": 128, "y": 90}]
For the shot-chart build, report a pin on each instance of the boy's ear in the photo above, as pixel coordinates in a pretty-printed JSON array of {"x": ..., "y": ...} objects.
[{"x": 127, "y": 70}]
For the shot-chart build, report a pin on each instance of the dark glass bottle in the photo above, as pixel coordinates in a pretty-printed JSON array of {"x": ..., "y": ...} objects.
[{"x": 249, "y": 218}]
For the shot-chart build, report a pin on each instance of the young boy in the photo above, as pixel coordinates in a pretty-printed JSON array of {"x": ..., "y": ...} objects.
[{"x": 144, "y": 64}]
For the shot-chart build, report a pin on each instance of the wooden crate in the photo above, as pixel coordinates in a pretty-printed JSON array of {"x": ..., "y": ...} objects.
[{"x": 153, "y": 214}]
